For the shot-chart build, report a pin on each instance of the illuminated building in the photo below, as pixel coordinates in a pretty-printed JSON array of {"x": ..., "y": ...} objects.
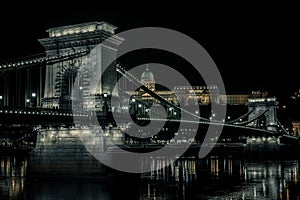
[
  {"x": 192, "y": 95},
  {"x": 197, "y": 94},
  {"x": 186, "y": 95},
  {"x": 296, "y": 128},
  {"x": 240, "y": 99},
  {"x": 233, "y": 99}
]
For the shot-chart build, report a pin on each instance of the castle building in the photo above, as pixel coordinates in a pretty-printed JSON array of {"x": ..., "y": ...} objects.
[
  {"x": 191, "y": 95},
  {"x": 185, "y": 95}
]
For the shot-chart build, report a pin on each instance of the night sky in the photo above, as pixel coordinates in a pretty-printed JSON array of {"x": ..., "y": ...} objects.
[{"x": 254, "y": 49}]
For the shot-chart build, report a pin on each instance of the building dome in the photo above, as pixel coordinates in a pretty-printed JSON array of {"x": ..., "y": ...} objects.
[{"x": 147, "y": 76}]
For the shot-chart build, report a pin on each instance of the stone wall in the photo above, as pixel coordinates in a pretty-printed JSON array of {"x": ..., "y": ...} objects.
[{"x": 61, "y": 152}]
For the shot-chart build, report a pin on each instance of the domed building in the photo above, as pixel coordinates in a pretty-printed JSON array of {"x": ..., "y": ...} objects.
[
  {"x": 147, "y": 79},
  {"x": 186, "y": 95}
]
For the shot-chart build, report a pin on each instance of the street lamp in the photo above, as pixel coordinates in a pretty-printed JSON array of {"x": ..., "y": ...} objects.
[
  {"x": 80, "y": 107},
  {"x": 171, "y": 112},
  {"x": 33, "y": 95},
  {"x": 27, "y": 102},
  {"x": 1, "y": 97}
]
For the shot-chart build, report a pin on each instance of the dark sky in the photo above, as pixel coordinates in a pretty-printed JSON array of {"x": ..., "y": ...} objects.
[{"x": 254, "y": 48}]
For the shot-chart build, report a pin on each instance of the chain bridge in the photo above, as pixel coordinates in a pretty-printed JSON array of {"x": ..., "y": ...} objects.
[{"x": 36, "y": 91}]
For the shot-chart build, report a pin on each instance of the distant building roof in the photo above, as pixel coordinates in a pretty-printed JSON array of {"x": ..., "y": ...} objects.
[{"x": 147, "y": 76}]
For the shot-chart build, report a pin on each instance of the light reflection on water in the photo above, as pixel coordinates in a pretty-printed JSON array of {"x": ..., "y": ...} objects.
[
  {"x": 217, "y": 177},
  {"x": 12, "y": 177}
]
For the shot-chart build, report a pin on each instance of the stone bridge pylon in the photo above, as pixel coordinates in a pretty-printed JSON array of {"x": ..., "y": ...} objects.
[
  {"x": 263, "y": 113},
  {"x": 60, "y": 76}
]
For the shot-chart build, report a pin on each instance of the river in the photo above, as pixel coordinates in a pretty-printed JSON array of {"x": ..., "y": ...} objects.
[{"x": 215, "y": 177}]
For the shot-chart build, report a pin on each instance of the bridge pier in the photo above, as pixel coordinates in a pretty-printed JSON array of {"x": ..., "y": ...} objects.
[
  {"x": 61, "y": 152},
  {"x": 263, "y": 144}
]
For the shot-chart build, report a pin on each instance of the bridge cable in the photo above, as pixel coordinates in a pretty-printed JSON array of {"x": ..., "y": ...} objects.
[
  {"x": 241, "y": 117},
  {"x": 253, "y": 119},
  {"x": 138, "y": 83}
]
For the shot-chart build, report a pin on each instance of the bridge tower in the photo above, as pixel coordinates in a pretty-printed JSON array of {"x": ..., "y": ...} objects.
[
  {"x": 263, "y": 113},
  {"x": 69, "y": 41}
]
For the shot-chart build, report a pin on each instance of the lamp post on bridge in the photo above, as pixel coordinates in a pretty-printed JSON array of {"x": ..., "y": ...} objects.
[
  {"x": 132, "y": 108},
  {"x": 228, "y": 118},
  {"x": 1, "y": 97},
  {"x": 105, "y": 107},
  {"x": 81, "y": 99},
  {"x": 33, "y": 101},
  {"x": 27, "y": 102},
  {"x": 170, "y": 109}
]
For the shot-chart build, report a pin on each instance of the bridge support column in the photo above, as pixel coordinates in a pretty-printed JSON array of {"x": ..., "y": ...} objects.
[
  {"x": 263, "y": 113},
  {"x": 68, "y": 42}
]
